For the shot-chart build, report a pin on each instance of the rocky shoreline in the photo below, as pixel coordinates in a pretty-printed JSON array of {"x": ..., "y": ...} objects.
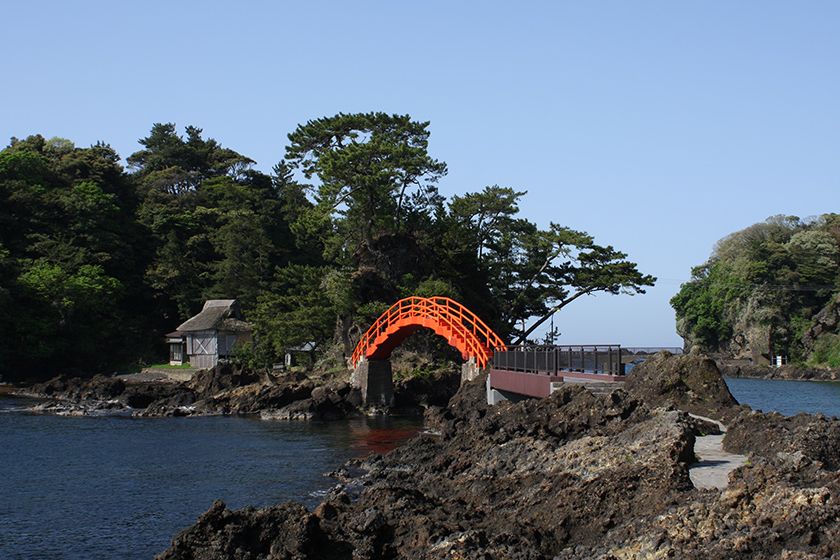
[
  {"x": 229, "y": 390},
  {"x": 573, "y": 476},
  {"x": 788, "y": 372}
]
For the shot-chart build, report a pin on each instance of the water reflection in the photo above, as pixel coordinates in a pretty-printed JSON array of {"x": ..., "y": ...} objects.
[{"x": 381, "y": 435}]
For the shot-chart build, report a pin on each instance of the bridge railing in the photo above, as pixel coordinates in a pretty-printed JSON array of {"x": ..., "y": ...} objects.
[
  {"x": 593, "y": 358},
  {"x": 477, "y": 339}
]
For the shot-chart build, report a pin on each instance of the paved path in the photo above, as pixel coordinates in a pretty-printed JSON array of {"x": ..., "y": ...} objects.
[{"x": 715, "y": 464}]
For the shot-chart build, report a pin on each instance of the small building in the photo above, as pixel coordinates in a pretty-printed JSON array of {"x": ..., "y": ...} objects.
[
  {"x": 209, "y": 336},
  {"x": 177, "y": 348}
]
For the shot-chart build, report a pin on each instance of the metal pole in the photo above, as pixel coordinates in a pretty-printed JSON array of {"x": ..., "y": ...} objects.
[{"x": 552, "y": 328}]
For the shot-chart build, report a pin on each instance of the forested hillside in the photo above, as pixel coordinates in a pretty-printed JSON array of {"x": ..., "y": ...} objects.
[
  {"x": 772, "y": 288},
  {"x": 98, "y": 261}
]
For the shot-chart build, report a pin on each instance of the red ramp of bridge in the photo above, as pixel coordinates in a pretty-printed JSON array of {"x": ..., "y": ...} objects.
[{"x": 445, "y": 316}]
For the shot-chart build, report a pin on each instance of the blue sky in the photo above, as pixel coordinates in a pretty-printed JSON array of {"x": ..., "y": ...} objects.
[{"x": 658, "y": 127}]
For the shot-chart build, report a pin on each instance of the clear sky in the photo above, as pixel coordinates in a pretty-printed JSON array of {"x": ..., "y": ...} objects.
[{"x": 658, "y": 127}]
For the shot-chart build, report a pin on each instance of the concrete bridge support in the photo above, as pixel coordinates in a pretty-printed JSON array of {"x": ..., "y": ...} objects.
[
  {"x": 375, "y": 381},
  {"x": 470, "y": 371},
  {"x": 495, "y": 396}
]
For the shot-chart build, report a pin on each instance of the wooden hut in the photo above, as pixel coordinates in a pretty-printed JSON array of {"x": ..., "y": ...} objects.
[
  {"x": 210, "y": 335},
  {"x": 177, "y": 348}
]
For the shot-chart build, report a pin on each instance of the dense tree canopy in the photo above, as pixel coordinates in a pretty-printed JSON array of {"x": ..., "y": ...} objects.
[{"x": 97, "y": 262}]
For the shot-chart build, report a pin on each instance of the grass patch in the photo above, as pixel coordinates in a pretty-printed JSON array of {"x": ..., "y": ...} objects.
[
  {"x": 168, "y": 366},
  {"x": 826, "y": 351}
]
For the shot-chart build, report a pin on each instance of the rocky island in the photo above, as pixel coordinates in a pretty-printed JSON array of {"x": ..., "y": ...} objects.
[{"x": 768, "y": 294}]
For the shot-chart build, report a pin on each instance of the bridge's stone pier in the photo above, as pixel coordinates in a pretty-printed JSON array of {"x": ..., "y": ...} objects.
[{"x": 375, "y": 380}]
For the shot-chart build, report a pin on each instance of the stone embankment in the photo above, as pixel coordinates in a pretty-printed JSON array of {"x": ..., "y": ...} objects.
[{"x": 572, "y": 476}]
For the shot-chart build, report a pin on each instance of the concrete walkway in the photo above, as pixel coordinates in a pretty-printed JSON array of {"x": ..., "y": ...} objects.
[{"x": 715, "y": 464}]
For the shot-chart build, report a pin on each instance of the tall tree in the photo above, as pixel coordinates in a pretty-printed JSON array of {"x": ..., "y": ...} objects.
[
  {"x": 217, "y": 224},
  {"x": 372, "y": 169},
  {"x": 374, "y": 186},
  {"x": 534, "y": 273}
]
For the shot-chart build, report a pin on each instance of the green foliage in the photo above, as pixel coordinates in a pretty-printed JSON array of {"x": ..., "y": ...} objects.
[
  {"x": 167, "y": 365},
  {"x": 826, "y": 351},
  {"x": 703, "y": 302},
  {"x": 69, "y": 263},
  {"x": 373, "y": 170},
  {"x": 297, "y": 311}
]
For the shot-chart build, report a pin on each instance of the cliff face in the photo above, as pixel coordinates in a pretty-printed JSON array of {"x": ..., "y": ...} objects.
[{"x": 750, "y": 331}]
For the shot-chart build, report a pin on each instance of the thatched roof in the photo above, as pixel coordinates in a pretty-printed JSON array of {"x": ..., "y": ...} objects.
[{"x": 217, "y": 314}]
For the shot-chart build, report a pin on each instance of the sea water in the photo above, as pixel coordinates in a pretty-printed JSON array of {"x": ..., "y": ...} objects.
[
  {"x": 122, "y": 487},
  {"x": 787, "y": 397}
]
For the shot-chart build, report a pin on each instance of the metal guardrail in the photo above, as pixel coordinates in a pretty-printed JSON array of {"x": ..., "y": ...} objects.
[{"x": 592, "y": 358}]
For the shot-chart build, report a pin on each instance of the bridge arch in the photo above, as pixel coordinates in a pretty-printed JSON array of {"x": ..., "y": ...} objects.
[{"x": 462, "y": 328}]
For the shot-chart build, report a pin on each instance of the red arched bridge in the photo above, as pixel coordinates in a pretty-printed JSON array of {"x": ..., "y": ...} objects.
[
  {"x": 445, "y": 316},
  {"x": 512, "y": 372}
]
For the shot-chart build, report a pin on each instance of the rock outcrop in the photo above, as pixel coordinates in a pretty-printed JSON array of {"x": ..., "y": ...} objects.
[
  {"x": 97, "y": 395},
  {"x": 519, "y": 481},
  {"x": 826, "y": 321},
  {"x": 690, "y": 382},
  {"x": 773, "y": 436}
]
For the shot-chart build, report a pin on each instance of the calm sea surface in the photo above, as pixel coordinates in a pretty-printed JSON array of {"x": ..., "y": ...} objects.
[
  {"x": 787, "y": 397},
  {"x": 117, "y": 487}
]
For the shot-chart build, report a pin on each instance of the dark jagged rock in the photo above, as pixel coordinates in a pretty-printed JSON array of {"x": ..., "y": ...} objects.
[
  {"x": 181, "y": 403},
  {"x": 421, "y": 392},
  {"x": 285, "y": 531},
  {"x": 769, "y": 510},
  {"x": 771, "y": 435},
  {"x": 326, "y": 402},
  {"x": 223, "y": 377},
  {"x": 98, "y": 395},
  {"x": 225, "y": 389},
  {"x": 690, "y": 382},
  {"x": 98, "y": 387}
]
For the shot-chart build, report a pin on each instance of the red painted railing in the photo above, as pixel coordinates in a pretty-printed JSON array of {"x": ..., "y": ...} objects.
[{"x": 448, "y": 318}]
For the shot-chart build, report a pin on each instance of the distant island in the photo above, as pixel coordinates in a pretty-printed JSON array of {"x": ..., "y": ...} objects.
[{"x": 768, "y": 292}]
